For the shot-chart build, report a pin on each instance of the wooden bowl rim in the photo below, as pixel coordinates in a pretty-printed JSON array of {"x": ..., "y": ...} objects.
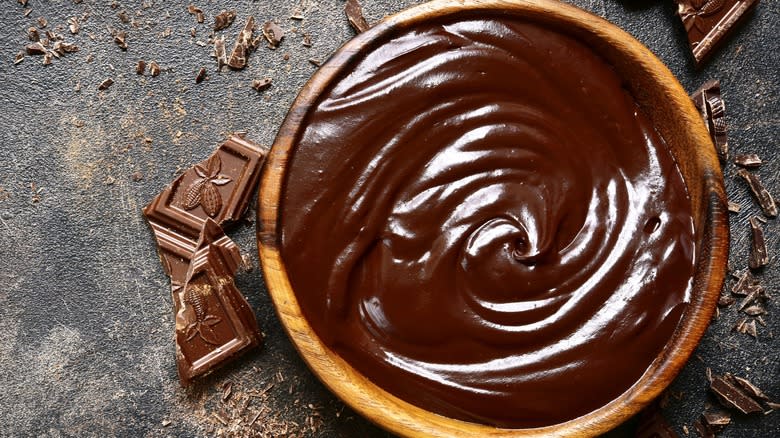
[{"x": 401, "y": 417}]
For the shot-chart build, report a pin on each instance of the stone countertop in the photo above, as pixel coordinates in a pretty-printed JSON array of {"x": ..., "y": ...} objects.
[{"x": 86, "y": 320}]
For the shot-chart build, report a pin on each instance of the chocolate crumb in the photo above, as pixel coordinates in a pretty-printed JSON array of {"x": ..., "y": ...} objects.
[
  {"x": 35, "y": 49},
  {"x": 261, "y": 84},
  {"x": 747, "y": 160},
  {"x": 19, "y": 57},
  {"x": 42, "y": 22},
  {"x": 754, "y": 310},
  {"x": 273, "y": 33},
  {"x": 219, "y": 52},
  {"x": 123, "y": 17},
  {"x": 140, "y": 68},
  {"x": 224, "y": 19},
  {"x": 732, "y": 396},
  {"x": 750, "y": 328},
  {"x": 734, "y": 207},
  {"x": 47, "y": 58},
  {"x": 354, "y": 12},
  {"x": 201, "y": 75},
  {"x": 137, "y": 176},
  {"x": 32, "y": 34},
  {"x": 761, "y": 194},
  {"x": 154, "y": 69},
  {"x": 73, "y": 25},
  {"x": 105, "y": 84},
  {"x": 315, "y": 62},
  {"x": 758, "y": 252},
  {"x": 306, "y": 40},
  {"x": 726, "y": 301},
  {"x": 22, "y": 2},
  {"x": 121, "y": 40}
]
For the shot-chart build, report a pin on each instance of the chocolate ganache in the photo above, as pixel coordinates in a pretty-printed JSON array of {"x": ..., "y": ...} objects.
[{"x": 479, "y": 218}]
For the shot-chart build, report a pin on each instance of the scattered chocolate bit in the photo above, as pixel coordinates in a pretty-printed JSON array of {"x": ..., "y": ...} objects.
[
  {"x": 73, "y": 25},
  {"x": 713, "y": 110},
  {"x": 32, "y": 34},
  {"x": 137, "y": 176},
  {"x": 773, "y": 406},
  {"x": 227, "y": 390},
  {"x": 123, "y": 17},
  {"x": 753, "y": 292},
  {"x": 19, "y": 57},
  {"x": 758, "y": 253},
  {"x": 761, "y": 194},
  {"x": 224, "y": 19},
  {"x": 296, "y": 15},
  {"x": 105, "y": 84},
  {"x": 751, "y": 389},
  {"x": 734, "y": 207},
  {"x": 154, "y": 69},
  {"x": 273, "y": 33},
  {"x": 42, "y": 22},
  {"x": 193, "y": 32},
  {"x": 121, "y": 40},
  {"x": 750, "y": 328},
  {"x": 22, "y": 2},
  {"x": 261, "y": 84},
  {"x": 201, "y": 75},
  {"x": 140, "y": 68},
  {"x": 747, "y": 160},
  {"x": 197, "y": 12},
  {"x": 754, "y": 310},
  {"x": 732, "y": 396},
  {"x": 355, "y": 16},
  {"x": 286, "y": 57},
  {"x": 717, "y": 419},
  {"x": 315, "y": 62},
  {"x": 61, "y": 48},
  {"x": 725, "y": 301},
  {"x": 214, "y": 323},
  {"x": 306, "y": 40},
  {"x": 703, "y": 429},
  {"x": 47, "y": 58},
  {"x": 744, "y": 280},
  {"x": 219, "y": 52},
  {"x": 35, "y": 49},
  {"x": 77, "y": 87},
  {"x": 243, "y": 45}
]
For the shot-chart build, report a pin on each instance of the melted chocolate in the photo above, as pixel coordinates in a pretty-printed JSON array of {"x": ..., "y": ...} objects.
[{"x": 478, "y": 218}]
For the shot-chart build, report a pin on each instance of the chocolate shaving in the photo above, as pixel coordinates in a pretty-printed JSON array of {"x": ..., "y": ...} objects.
[
  {"x": 761, "y": 194},
  {"x": 708, "y": 22},
  {"x": 105, "y": 84},
  {"x": 758, "y": 252},
  {"x": 140, "y": 68},
  {"x": 224, "y": 19},
  {"x": 733, "y": 396},
  {"x": 713, "y": 110},
  {"x": 121, "y": 40},
  {"x": 243, "y": 45},
  {"x": 747, "y": 160},
  {"x": 273, "y": 33},
  {"x": 261, "y": 84},
  {"x": 201, "y": 75},
  {"x": 154, "y": 69},
  {"x": 355, "y": 16}
]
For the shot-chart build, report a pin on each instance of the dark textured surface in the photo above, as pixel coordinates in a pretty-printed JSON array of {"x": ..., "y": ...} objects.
[{"x": 85, "y": 314}]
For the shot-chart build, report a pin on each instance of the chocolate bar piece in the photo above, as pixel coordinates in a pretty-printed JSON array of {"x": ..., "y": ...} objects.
[
  {"x": 732, "y": 396},
  {"x": 707, "y": 22},
  {"x": 218, "y": 188},
  {"x": 713, "y": 110},
  {"x": 758, "y": 253},
  {"x": 214, "y": 322},
  {"x": 762, "y": 195}
]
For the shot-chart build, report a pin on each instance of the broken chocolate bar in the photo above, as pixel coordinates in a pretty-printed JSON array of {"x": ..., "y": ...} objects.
[
  {"x": 707, "y": 22},
  {"x": 761, "y": 194},
  {"x": 213, "y": 320},
  {"x": 218, "y": 188},
  {"x": 713, "y": 110},
  {"x": 758, "y": 253}
]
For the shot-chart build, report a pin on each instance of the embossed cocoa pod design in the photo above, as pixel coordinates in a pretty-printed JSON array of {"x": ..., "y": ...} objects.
[{"x": 210, "y": 199}]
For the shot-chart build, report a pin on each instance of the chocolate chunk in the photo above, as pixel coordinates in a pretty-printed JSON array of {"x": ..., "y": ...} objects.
[
  {"x": 732, "y": 396},
  {"x": 214, "y": 322},
  {"x": 105, "y": 84},
  {"x": 761, "y": 194},
  {"x": 121, "y": 40},
  {"x": 273, "y": 33},
  {"x": 708, "y": 22},
  {"x": 713, "y": 110},
  {"x": 243, "y": 45},
  {"x": 35, "y": 49},
  {"x": 140, "y": 68},
  {"x": 32, "y": 34},
  {"x": 751, "y": 389},
  {"x": 758, "y": 253},
  {"x": 201, "y": 75},
  {"x": 224, "y": 19},
  {"x": 355, "y": 16},
  {"x": 154, "y": 69},
  {"x": 261, "y": 84},
  {"x": 747, "y": 160}
]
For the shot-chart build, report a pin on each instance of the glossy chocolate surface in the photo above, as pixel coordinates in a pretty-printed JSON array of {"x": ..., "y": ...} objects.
[{"x": 479, "y": 219}]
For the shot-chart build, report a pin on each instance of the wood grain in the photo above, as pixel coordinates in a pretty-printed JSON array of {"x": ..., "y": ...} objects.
[{"x": 663, "y": 100}]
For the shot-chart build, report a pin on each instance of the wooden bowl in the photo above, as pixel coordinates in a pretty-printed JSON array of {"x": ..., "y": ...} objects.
[{"x": 661, "y": 98}]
